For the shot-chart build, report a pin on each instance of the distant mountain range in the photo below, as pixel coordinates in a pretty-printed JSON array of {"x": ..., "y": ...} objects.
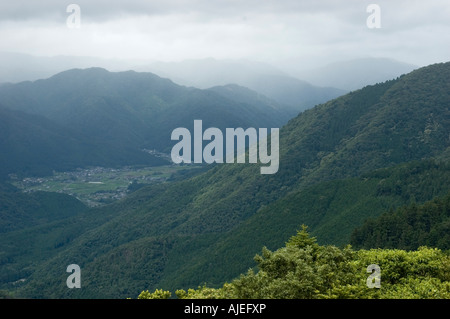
[
  {"x": 92, "y": 116},
  {"x": 287, "y": 90},
  {"x": 297, "y": 87},
  {"x": 341, "y": 163}
]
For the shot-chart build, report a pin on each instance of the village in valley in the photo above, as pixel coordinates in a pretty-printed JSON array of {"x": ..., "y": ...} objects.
[{"x": 98, "y": 186}]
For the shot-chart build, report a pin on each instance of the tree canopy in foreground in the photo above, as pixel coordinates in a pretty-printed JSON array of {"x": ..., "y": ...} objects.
[{"x": 303, "y": 269}]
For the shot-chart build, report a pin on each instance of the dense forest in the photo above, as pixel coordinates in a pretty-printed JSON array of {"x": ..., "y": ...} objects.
[{"x": 408, "y": 227}]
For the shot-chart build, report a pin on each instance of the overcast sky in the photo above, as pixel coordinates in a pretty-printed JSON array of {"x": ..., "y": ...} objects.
[{"x": 275, "y": 31}]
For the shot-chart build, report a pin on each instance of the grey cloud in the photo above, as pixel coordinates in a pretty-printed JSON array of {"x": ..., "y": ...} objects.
[
  {"x": 267, "y": 29},
  {"x": 397, "y": 15}
]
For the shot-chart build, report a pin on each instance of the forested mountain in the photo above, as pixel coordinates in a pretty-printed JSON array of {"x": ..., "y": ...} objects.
[
  {"x": 95, "y": 117},
  {"x": 341, "y": 162}
]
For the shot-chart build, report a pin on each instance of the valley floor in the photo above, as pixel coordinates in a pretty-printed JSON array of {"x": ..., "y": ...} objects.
[{"x": 97, "y": 186}]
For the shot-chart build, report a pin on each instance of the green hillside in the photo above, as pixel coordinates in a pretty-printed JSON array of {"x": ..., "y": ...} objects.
[
  {"x": 19, "y": 210},
  {"x": 352, "y": 158},
  {"x": 20, "y": 213},
  {"x": 331, "y": 209}
]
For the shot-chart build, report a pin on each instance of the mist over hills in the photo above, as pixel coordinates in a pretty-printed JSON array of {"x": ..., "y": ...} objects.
[
  {"x": 354, "y": 74},
  {"x": 291, "y": 92},
  {"x": 295, "y": 86},
  {"x": 341, "y": 162},
  {"x": 296, "y": 95},
  {"x": 18, "y": 67},
  {"x": 92, "y": 116}
]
